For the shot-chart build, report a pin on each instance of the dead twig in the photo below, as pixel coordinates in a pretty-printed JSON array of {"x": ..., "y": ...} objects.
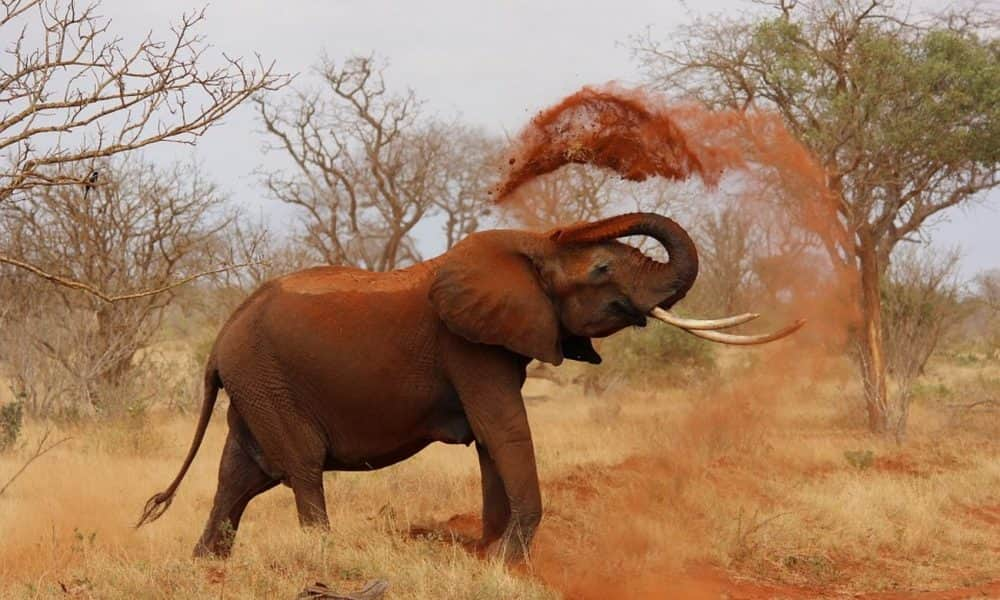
[
  {"x": 990, "y": 403},
  {"x": 40, "y": 450}
]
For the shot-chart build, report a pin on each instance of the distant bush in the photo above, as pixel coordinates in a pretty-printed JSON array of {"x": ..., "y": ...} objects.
[
  {"x": 11, "y": 420},
  {"x": 930, "y": 391},
  {"x": 652, "y": 355},
  {"x": 860, "y": 459}
]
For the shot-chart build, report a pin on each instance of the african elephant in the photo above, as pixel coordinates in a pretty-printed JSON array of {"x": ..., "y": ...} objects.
[{"x": 335, "y": 368}]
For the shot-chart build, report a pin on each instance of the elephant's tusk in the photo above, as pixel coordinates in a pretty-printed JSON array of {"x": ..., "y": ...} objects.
[
  {"x": 699, "y": 324},
  {"x": 733, "y": 339}
]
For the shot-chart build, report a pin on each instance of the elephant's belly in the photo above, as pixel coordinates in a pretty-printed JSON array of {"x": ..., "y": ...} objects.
[{"x": 449, "y": 427}]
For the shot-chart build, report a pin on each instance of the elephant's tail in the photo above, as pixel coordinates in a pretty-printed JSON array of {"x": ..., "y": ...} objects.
[{"x": 159, "y": 503}]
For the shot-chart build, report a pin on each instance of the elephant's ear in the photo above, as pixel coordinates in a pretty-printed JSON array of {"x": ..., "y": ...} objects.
[{"x": 490, "y": 294}]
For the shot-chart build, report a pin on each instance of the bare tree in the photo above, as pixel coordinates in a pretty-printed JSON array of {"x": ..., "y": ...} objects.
[
  {"x": 988, "y": 285},
  {"x": 571, "y": 194},
  {"x": 902, "y": 115},
  {"x": 727, "y": 250},
  {"x": 984, "y": 324},
  {"x": 471, "y": 168},
  {"x": 74, "y": 94},
  {"x": 920, "y": 299},
  {"x": 368, "y": 167},
  {"x": 266, "y": 253},
  {"x": 144, "y": 227}
]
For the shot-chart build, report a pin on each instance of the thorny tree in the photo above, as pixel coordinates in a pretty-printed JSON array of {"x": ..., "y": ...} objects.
[
  {"x": 368, "y": 167},
  {"x": 73, "y": 93},
  {"x": 143, "y": 228},
  {"x": 904, "y": 117}
]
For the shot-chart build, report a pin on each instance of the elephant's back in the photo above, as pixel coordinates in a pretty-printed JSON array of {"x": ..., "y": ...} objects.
[
  {"x": 329, "y": 323},
  {"x": 320, "y": 281}
]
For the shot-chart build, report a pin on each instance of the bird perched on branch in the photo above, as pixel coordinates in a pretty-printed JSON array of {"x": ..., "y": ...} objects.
[{"x": 89, "y": 182}]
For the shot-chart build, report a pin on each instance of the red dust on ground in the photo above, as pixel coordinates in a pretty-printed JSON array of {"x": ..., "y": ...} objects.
[{"x": 691, "y": 582}]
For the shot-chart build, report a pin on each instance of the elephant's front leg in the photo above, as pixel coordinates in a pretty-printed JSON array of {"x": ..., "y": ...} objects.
[
  {"x": 496, "y": 508},
  {"x": 490, "y": 391},
  {"x": 514, "y": 457}
]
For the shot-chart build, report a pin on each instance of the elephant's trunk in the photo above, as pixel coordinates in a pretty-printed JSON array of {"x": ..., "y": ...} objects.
[{"x": 657, "y": 284}]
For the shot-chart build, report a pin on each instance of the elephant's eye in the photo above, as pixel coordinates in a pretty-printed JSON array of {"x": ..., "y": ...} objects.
[{"x": 600, "y": 269}]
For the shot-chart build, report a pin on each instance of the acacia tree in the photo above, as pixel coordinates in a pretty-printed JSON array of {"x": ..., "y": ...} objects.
[
  {"x": 73, "y": 94},
  {"x": 368, "y": 167},
  {"x": 903, "y": 116}
]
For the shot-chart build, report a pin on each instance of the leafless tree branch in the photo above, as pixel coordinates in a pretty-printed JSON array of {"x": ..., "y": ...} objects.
[{"x": 40, "y": 450}]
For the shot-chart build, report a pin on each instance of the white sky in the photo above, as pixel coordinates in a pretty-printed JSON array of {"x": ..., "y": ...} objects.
[{"x": 492, "y": 63}]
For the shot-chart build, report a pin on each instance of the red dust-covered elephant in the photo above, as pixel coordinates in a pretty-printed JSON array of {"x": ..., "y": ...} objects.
[{"x": 335, "y": 368}]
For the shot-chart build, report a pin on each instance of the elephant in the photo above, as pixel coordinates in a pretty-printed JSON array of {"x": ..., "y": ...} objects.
[{"x": 337, "y": 368}]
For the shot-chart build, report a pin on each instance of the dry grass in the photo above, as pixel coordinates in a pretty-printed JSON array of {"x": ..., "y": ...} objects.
[{"x": 645, "y": 492}]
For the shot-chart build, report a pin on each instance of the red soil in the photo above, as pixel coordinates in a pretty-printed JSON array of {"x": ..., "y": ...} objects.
[
  {"x": 580, "y": 571},
  {"x": 989, "y": 515}
]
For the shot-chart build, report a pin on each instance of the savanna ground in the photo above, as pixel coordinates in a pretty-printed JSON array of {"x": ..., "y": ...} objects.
[{"x": 758, "y": 483}]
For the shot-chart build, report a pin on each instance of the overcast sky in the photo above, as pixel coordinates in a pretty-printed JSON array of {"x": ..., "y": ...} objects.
[{"x": 492, "y": 63}]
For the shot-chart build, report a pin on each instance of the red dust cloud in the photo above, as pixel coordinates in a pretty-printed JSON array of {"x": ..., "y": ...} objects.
[
  {"x": 800, "y": 258},
  {"x": 614, "y": 129},
  {"x": 781, "y": 188}
]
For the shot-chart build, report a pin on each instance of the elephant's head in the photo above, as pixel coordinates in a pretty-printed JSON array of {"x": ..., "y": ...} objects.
[{"x": 545, "y": 295}]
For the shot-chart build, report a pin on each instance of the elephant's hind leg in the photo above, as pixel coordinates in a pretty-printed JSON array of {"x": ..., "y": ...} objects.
[
  {"x": 309, "y": 498},
  {"x": 240, "y": 479}
]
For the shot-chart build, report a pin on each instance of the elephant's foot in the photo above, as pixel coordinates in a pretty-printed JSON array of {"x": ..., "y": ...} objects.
[
  {"x": 203, "y": 550},
  {"x": 506, "y": 550},
  {"x": 514, "y": 545},
  {"x": 217, "y": 542}
]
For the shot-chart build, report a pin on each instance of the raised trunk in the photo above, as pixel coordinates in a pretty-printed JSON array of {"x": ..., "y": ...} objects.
[{"x": 659, "y": 284}]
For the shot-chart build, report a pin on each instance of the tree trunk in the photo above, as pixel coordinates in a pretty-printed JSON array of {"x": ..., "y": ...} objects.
[
  {"x": 885, "y": 415},
  {"x": 110, "y": 337}
]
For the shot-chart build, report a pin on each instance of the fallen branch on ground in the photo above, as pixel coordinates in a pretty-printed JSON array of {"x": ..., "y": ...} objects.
[{"x": 975, "y": 404}]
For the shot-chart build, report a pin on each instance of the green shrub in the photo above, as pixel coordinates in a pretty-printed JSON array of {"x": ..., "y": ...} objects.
[
  {"x": 651, "y": 355},
  {"x": 860, "y": 459},
  {"x": 11, "y": 420}
]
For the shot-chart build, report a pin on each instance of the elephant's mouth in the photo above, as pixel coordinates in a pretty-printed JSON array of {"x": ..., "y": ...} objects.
[{"x": 628, "y": 311}]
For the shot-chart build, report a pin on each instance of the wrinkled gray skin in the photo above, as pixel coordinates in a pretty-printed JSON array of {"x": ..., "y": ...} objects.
[{"x": 334, "y": 368}]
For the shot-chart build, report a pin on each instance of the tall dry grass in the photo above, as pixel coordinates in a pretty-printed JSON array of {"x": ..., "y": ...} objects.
[{"x": 646, "y": 491}]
